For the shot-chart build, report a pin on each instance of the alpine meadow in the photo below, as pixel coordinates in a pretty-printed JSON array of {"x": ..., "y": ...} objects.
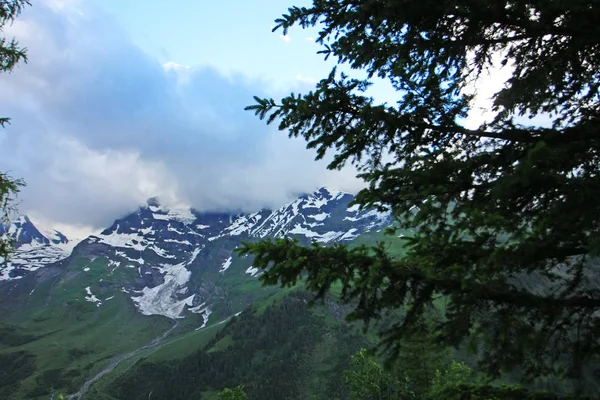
[{"x": 428, "y": 230}]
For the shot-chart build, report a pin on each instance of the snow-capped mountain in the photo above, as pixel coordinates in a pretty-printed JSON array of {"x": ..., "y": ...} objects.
[
  {"x": 175, "y": 261},
  {"x": 323, "y": 216},
  {"x": 33, "y": 249}
]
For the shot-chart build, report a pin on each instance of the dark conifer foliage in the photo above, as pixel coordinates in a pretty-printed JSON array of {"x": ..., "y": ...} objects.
[
  {"x": 505, "y": 215},
  {"x": 10, "y": 55}
]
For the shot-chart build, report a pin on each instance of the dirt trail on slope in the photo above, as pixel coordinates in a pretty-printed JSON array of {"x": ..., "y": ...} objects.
[{"x": 84, "y": 388}]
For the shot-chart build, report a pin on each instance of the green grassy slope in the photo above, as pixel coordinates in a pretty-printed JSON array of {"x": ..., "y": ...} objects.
[
  {"x": 73, "y": 338},
  {"x": 61, "y": 339}
]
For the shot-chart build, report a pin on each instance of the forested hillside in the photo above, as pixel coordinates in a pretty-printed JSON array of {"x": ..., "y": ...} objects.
[{"x": 285, "y": 351}]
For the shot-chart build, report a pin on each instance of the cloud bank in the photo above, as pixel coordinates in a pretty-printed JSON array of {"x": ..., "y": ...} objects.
[{"x": 98, "y": 127}]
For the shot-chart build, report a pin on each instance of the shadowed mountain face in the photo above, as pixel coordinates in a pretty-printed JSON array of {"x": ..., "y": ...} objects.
[
  {"x": 24, "y": 232},
  {"x": 176, "y": 262}
]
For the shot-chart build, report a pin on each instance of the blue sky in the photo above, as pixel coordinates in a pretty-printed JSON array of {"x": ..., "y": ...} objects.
[{"x": 232, "y": 36}]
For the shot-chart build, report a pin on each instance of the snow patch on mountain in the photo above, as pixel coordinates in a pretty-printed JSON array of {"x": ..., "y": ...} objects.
[
  {"x": 194, "y": 255},
  {"x": 243, "y": 224},
  {"x": 325, "y": 237},
  {"x": 353, "y": 208},
  {"x": 199, "y": 309},
  {"x": 31, "y": 257},
  {"x": 379, "y": 218},
  {"x": 205, "y": 311},
  {"x": 113, "y": 263},
  {"x": 161, "y": 252},
  {"x": 335, "y": 194},
  {"x": 147, "y": 231},
  {"x": 319, "y": 217},
  {"x": 226, "y": 265},
  {"x": 351, "y": 234},
  {"x": 162, "y": 299},
  {"x": 178, "y": 241},
  {"x": 182, "y": 214},
  {"x": 91, "y": 297},
  {"x": 123, "y": 240}
]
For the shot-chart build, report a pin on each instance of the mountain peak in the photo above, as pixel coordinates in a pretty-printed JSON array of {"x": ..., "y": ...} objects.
[
  {"x": 331, "y": 192},
  {"x": 153, "y": 202},
  {"x": 165, "y": 250},
  {"x": 55, "y": 236},
  {"x": 325, "y": 192},
  {"x": 23, "y": 219},
  {"x": 34, "y": 248},
  {"x": 23, "y": 231}
]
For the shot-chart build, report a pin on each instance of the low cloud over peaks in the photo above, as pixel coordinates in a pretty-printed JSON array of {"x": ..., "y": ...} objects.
[{"x": 98, "y": 127}]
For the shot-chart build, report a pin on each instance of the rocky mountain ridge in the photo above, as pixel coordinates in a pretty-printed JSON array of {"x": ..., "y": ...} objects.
[
  {"x": 177, "y": 262},
  {"x": 34, "y": 249}
]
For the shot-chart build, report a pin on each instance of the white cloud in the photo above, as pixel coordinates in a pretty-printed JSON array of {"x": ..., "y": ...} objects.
[
  {"x": 75, "y": 232},
  {"x": 74, "y": 184},
  {"x": 285, "y": 38},
  {"x": 310, "y": 38},
  {"x": 60, "y": 4},
  {"x": 174, "y": 66},
  {"x": 98, "y": 127},
  {"x": 489, "y": 83},
  {"x": 306, "y": 79}
]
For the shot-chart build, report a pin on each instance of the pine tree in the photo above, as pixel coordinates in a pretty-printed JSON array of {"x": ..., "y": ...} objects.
[
  {"x": 10, "y": 55},
  {"x": 236, "y": 393},
  {"x": 505, "y": 216},
  {"x": 367, "y": 380}
]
